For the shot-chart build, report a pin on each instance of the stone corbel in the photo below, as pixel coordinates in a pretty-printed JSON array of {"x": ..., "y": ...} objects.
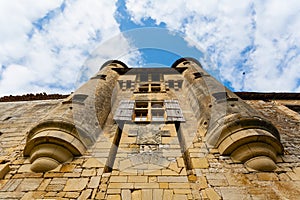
[
  {"x": 52, "y": 143},
  {"x": 252, "y": 141}
]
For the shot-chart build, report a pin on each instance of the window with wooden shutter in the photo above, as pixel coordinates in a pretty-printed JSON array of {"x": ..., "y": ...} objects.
[
  {"x": 124, "y": 111},
  {"x": 173, "y": 111}
]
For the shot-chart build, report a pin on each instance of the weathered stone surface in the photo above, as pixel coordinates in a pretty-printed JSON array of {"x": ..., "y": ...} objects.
[
  {"x": 67, "y": 168},
  {"x": 168, "y": 194},
  {"x": 267, "y": 177},
  {"x": 126, "y": 195},
  {"x": 72, "y": 194},
  {"x": 114, "y": 197},
  {"x": 94, "y": 182},
  {"x": 11, "y": 185},
  {"x": 25, "y": 168},
  {"x": 93, "y": 162},
  {"x": 212, "y": 194},
  {"x": 33, "y": 195},
  {"x": 4, "y": 169},
  {"x": 200, "y": 163},
  {"x": 181, "y": 179},
  {"x": 85, "y": 194},
  {"x": 118, "y": 179},
  {"x": 136, "y": 194},
  {"x": 76, "y": 184}
]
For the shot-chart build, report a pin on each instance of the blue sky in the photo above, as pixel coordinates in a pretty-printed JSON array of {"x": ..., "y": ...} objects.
[{"x": 248, "y": 45}]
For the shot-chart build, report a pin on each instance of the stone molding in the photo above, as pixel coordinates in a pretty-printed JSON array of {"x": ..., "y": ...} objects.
[{"x": 51, "y": 143}]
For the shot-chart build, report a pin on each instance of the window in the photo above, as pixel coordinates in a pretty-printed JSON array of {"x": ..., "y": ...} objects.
[
  {"x": 173, "y": 111},
  {"x": 171, "y": 83},
  {"x": 156, "y": 77},
  {"x": 124, "y": 111},
  {"x": 146, "y": 111},
  {"x": 144, "y": 77},
  {"x": 144, "y": 88},
  {"x": 149, "y": 87},
  {"x": 128, "y": 84},
  {"x": 149, "y": 111},
  {"x": 141, "y": 115}
]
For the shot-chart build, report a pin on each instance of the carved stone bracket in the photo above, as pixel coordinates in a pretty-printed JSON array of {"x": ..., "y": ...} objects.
[{"x": 51, "y": 143}]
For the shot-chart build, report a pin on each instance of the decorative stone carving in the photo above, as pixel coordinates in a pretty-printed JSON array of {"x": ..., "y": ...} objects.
[
  {"x": 251, "y": 141},
  {"x": 51, "y": 143}
]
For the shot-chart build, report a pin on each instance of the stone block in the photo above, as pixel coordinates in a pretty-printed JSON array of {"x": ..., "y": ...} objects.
[
  {"x": 168, "y": 194},
  {"x": 71, "y": 175},
  {"x": 200, "y": 163},
  {"x": 138, "y": 179},
  {"x": 146, "y": 185},
  {"x": 173, "y": 166},
  {"x": 175, "y": 179},
  {"x": 11, "y": 195},
  {"x": 293, "y": 176},
  {"x": 93, "y": 163},
  {"x": 56, "y": 188},
  {"x": 10, "y": 185},
  {"x": 88, "y": 172},
  {"x": 218, "y": 182},
  {"x": 167, "y": 172},
  {"x": 85, "y": 194},
  {"x": 147, "y": 194},
  {"x": 118, "y": 179},
  {"x": 76, "y": 184},
  {"x": 126, "y": 195},
  {"x": 33, "y": 195},
  {"x": 164, "y": 185},
  {"x": 212, "y": 194},
  {"x": 72, "y": 195},
  {"x": 113, "y": 191},
  {"x": 180, "y": 162},
  {"x": 28, "y": 175},
  {"x": 157, "y": 194},
  {"x": 100, "y": 195},
  {"x": 24, "y": 168},
  {"x": 179, "y": 185},
  {"x": 67, "y": 168},
  {"x": 58, "y": 181},
  {"x": 29, "y": 184},
  {"x": 44, "y": 184},
  {"x": 114, "y": 197},
  {"x": 4, "y": 169},
  {"x": 203, "y": 182},
  {"x": 121, "y": 185},
  {"x": 267, "y": 176},
  {"x": 182, "y": 191},
  {"x": 136, "y": 195},
  {"x": 94, "y": 182}
]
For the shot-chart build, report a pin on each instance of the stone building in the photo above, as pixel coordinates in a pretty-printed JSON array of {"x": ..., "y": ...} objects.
[{"x": 154, "y": 133}]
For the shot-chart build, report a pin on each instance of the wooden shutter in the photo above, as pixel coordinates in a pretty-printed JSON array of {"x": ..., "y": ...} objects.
[
  {"x": 173, "y": 111},
  {"x": 124, "y": 111}
]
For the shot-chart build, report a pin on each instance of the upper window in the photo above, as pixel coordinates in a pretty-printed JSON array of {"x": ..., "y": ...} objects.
[
  {"x": 149, "y": 87},
  {"x": 146, "y": 111}
]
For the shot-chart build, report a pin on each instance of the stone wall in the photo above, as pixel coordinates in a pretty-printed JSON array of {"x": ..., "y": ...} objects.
[{"x": 214, "y": 176}]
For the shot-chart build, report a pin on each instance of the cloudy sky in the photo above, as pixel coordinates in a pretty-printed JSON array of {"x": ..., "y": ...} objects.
[{"x": 45, "y": 46}]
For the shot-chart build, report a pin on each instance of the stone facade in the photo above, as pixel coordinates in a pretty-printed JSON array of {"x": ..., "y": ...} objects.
[{"x": 170, "y": 133}]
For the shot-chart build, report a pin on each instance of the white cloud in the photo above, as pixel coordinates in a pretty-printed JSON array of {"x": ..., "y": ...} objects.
[
  {"x": 51, "y": 53},
  {"x": 48, "y": 44},
  {"x": 239, "y": 36}
]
